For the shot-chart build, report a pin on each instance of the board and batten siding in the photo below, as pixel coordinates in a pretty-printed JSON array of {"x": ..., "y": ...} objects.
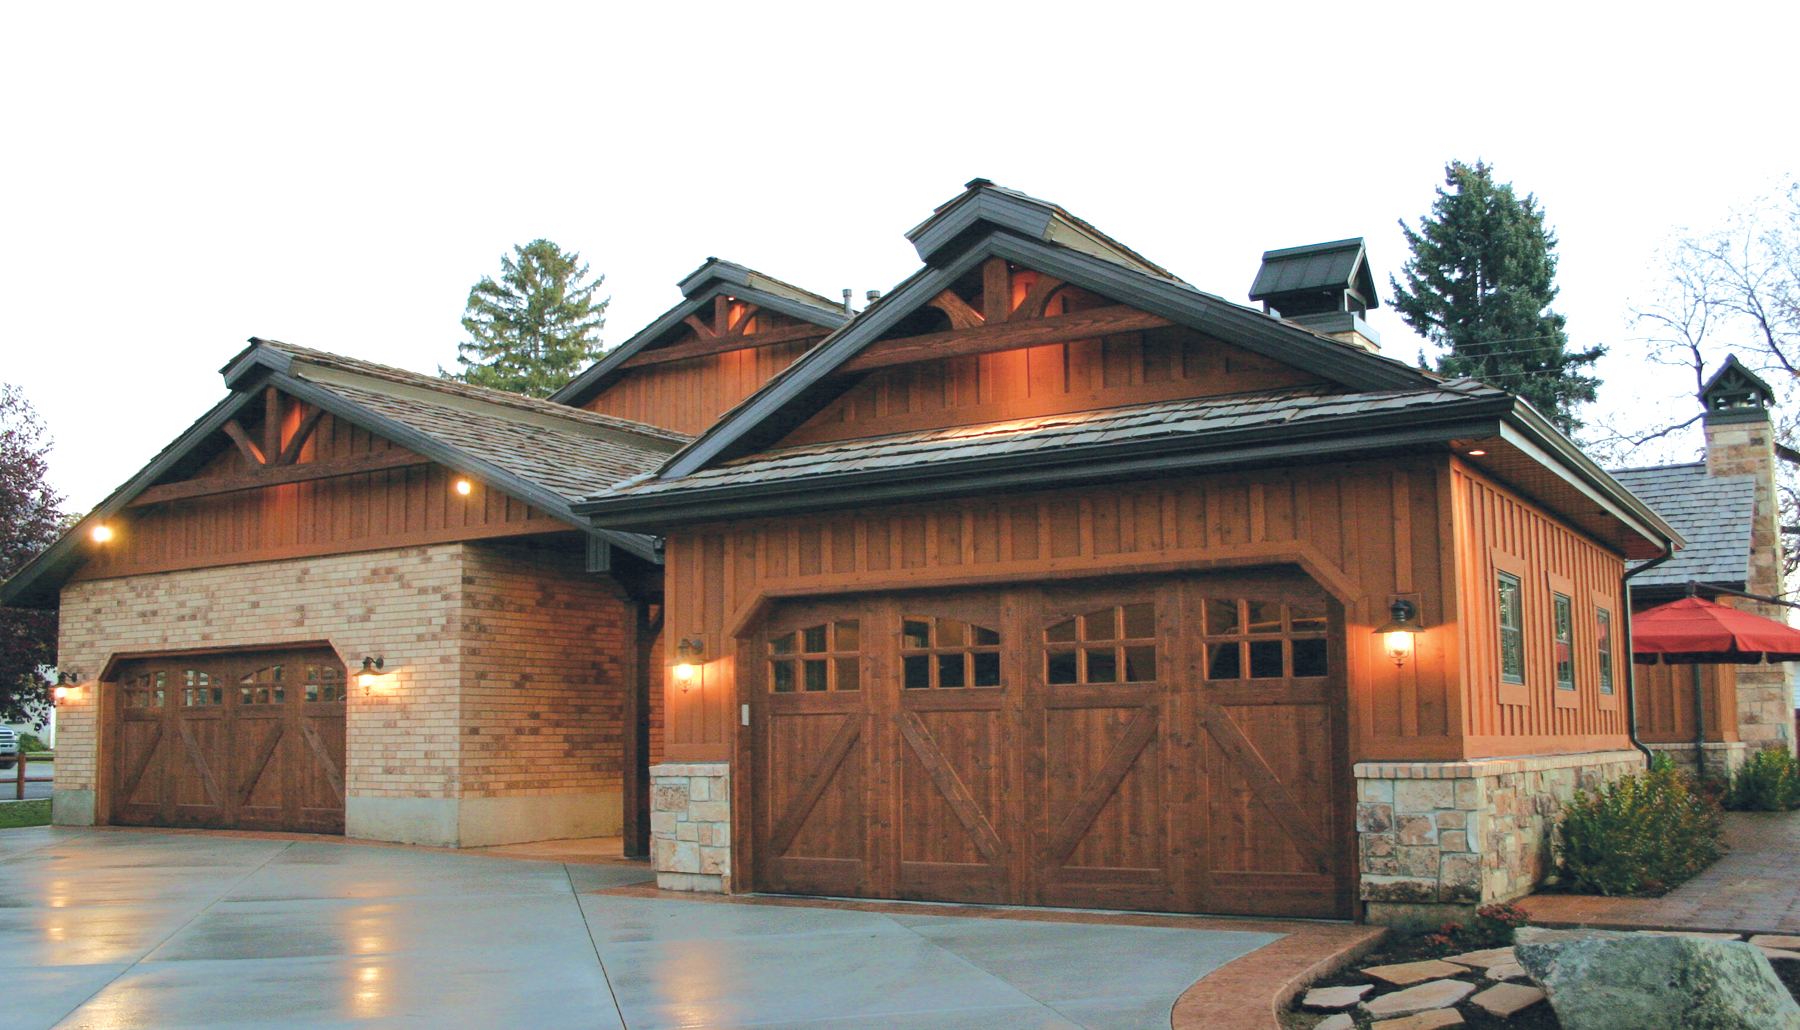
[
  {"x": 1497, "y": 528},
  {"x": 410, "y": 506},
  {"x": 688, "y": 396},
  {"x": 1368, "y": 532}
]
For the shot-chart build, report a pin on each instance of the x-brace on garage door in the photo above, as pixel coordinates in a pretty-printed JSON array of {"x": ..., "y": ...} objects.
[{"x": 1174, "y": 745}]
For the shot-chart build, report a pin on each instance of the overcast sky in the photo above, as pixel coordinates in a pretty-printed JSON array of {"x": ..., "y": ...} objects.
[{"x": 177, "y": 178}]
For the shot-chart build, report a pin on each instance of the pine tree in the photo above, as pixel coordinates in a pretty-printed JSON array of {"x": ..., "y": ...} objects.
[
  {"x": 1480, "y": 282},
  {"x": 535, "y": 328},
  {"x": 30, "y": 521}
]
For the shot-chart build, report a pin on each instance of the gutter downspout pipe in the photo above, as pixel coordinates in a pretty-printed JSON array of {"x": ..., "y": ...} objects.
[{"x": 1631, "y": 728}]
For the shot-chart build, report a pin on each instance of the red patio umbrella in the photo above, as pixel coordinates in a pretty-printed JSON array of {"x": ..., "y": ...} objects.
[{"x": 1697, "y": 631}]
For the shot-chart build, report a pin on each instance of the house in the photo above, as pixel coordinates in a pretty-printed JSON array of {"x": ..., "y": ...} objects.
[
  {"x": 1728, "y": 508},
  {"x": 1047, "y": 579}
]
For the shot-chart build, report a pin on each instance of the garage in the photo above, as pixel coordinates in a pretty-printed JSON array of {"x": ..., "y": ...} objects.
[
  {"x": 1170, "y": 745},
  {"x": 230, "y": 740}
]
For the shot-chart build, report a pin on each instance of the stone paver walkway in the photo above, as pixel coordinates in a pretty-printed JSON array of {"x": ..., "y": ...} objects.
[
  {"x": 181, "y": 931},
  {"x": 1754, "y": 889}
]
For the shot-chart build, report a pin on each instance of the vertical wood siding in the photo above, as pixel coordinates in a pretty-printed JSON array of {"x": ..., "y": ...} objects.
[
  {"x": 375, "y": 510},
  {"x": 1490, "y": 519},
  {"x": 1372, "y": 531},
  {"x": 689, "y": 396}
]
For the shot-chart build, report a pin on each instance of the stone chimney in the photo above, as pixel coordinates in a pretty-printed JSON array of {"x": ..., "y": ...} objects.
[{"x": 1740, "y": 441}]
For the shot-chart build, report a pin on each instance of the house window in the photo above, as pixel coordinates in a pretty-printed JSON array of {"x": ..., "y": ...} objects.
[
  {"x": 1512, "y": 633},
  {"x": 1603, "y": 638},
  {"x": 1112, "y": 645},
  {"x": 817, "y": 658},
  {"x": 948, "y": 654},
  {"x": 1251, "y": 639},
  {"x": 1564, "y": 610}
]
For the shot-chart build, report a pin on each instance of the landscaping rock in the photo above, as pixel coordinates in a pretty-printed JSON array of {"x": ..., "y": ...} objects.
[
  {"x": 1544, "y": 935},
  {"x": 1775, "y": 940},
  {"x": 1658, "y": 982},
  {"x": 1502, "y": 1000},
  {"x": 1341, "y": 1021},
  {"x": 1695, "y": 934},
  {"x": 1413, "y": 972},
  {"x": 1484, "y": 959},
  {"x": 1438, "y": 994},
  {"x": 1433, "y": 1020},
  {"x": 1330, "y": 998}
]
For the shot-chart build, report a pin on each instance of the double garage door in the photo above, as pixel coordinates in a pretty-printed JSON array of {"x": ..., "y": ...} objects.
[
  {"x": 235, "y": 740},
  {"x": 1174, "y": 745}
]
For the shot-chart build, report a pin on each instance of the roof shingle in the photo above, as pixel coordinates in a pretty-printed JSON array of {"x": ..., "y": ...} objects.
[{"x": 1714, "y": 513}]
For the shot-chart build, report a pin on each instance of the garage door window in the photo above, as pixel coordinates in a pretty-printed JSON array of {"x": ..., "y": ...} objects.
[
  {"x": 146, "y": 691},
  {"x": 1112, "y": 645},
  {"x": 1252, "y": 639},
  {"x": 325, "y": 683},
  {"x": 948, "y": 654},
  {"x": 823, "y": 658},
  {"x": 199, "y": 690},
  {"x": 264, "y": 687}
]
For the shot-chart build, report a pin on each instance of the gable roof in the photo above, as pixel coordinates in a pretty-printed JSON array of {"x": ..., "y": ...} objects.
[
  {"x": 1338, "y": 265},
  {"x": 1714, "y": 513},
  {"x": 987, "y": 221},
  {"x": 547, "y": 455},
  {"x": 698, "y": 288}
]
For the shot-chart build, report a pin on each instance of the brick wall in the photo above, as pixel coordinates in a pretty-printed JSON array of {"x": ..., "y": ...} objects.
[{"x": 504, "y": 671}]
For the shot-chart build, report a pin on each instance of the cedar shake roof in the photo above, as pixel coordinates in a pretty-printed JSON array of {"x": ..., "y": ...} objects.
[
  {"x": 1714, "y": 513},
  {"x": 1262, "y": 412}
]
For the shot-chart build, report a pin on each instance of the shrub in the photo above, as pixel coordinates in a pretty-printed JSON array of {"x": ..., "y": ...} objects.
[
  {"x": 1641, "y": 834},
  {"x": 31, "y": 742},
  {"x": 1495, "y": 925},
  {"x": 1769, "y": 782}
]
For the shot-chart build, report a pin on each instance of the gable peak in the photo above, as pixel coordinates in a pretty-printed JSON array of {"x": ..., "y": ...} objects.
[{"x": 983, "y": 208}]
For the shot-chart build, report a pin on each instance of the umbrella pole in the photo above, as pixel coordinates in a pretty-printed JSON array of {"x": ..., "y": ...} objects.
[{"x": 1699, "y": 726}]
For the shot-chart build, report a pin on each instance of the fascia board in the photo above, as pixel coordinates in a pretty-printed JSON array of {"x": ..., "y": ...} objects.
[
  {"x": 63, "y": 550},
  {"x": 583, "y": 387},
  {"x": 257, "y": 362},
  {"x": 716, "y": 268},
  {"x": 436, "y": 450},
  {"x": 1591, "y": 481},
  {"x": 1070, "y": 466},
  {"x": 931, "y": 237}
]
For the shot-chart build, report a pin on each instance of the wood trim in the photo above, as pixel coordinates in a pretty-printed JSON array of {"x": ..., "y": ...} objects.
[
  {"x": 720, "y": 344},
  {"x": 191, "y": 748},
  {"x": 323, "y": 756},
  {"x": 1554, "y": 585},
  {"x": 244, "y": 443},
  {"x": 253, "y": 775},
  {"x": 1119, "y": 761},
  {"x": 136, "y": 774},
  {"x": 302, "y": 433},
  {"x": 996, "y": 290},
  {"x": 951, "y": 786},
  {"x": 788, "y": 826},
  {"x": 1502, "y": 561},
  {"x": 1012, "y": 335},
  {"x": 962, "y": 316},
  {"x": 1597, "y": 601},
  {"x": 276, "y": 475},
  {"x": 676, "y": 753},
  {"x": 1037, "y": 299},
  {"x": 704, "y": 331},
  {"x": 1276, "y": 799}
]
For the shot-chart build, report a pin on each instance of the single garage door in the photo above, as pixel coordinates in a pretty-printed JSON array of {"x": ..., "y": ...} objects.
[
  {"x": 1174, "y": 745},
  {"x": 238, "y": 740}
]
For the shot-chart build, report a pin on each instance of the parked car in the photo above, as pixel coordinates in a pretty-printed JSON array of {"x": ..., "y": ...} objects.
[{"x": 9, "y": 748}]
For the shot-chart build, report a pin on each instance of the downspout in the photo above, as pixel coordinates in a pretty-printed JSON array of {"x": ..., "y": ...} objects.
[{"x": 1631, "y": 728}]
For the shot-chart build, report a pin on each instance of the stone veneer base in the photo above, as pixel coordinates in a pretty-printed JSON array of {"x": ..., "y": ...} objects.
[
  {"x": 1721, "y": 758},
  {"x": 690, "y": 826},
  {"x": 1436, "y": 839}
]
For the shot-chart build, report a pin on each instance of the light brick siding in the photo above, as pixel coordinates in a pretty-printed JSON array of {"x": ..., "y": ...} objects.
[{"x": 505, "y": 667}]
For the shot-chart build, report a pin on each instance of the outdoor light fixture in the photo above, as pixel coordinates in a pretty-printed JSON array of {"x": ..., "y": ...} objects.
[
  {"x": 102, "y": 534},
  {"x": 687, "y": 661},
  {"x": 67, "y": 684},
  {"x": 463, "y": 487},
  {"x": 1397, "y": 634},
  {"x": 366, "y": 678},
  {"x": 1476, "y": 453}
]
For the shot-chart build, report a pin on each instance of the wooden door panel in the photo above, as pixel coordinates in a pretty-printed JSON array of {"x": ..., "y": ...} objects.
[{"x": 950, "y": 805}]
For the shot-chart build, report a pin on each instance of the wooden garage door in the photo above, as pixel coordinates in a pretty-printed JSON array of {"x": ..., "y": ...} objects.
[
  {"x": 1173, "y": 745},
  {"x": 232, "y": 741}
]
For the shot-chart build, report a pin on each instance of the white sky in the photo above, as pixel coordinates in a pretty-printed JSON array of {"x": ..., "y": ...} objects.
[{"x": 176, "y": 178}]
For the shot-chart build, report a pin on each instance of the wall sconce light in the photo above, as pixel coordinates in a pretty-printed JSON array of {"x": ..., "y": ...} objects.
[
  {"x": 464, "y": 487},
  {"x": 366, "y": 678},
  {"x": 1397, "y": 634},
  {"x": 102, "y": 534},
  {"x": 688, "y": 654},
  {"x": 68, "y": 684}
]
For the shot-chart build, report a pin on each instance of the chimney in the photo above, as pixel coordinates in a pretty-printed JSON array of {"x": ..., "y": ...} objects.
[
  {"x": 848, "y": 310},
  {"x": 873, "y": 295},
  {"x": 1324, "y": 287},
  {"x": 1740, "y": 441}
]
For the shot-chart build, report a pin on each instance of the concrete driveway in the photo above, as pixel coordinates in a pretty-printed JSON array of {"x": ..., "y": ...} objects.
[{"x": 103, "y": 930}]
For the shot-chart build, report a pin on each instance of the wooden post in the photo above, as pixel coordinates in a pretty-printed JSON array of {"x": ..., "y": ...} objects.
[{"x": 19, "y": 795}]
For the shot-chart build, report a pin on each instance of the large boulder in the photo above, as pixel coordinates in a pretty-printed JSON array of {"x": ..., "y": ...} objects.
[{"x": 1641, "y": 982}]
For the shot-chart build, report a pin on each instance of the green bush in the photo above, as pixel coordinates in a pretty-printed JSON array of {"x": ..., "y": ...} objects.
[
  {"x": 1641, "y": 834},
  {"x": 31, "y": 743},
  {"x": 1769, "y": 782}
]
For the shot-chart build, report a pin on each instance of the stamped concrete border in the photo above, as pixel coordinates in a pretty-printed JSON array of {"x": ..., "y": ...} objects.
[{"x": 1249, "y": 993}]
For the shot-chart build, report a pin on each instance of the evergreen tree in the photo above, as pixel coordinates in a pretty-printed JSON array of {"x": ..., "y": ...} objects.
[
  {"x": 1480, "y": 282},
  {"x": 535, "y": 328},
  {"x": 30, "y": 521}
]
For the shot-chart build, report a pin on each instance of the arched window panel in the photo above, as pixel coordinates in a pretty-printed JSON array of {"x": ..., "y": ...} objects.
[
  {"x": 817, "y": 658},
  {"x": 948, "y": 654},
  {"x": 1247, "y": 638},
  {"x": 1111, "y": 645}
]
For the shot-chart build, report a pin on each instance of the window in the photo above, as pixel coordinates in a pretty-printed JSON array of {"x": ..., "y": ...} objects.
[
  {"x": 817, "y": 658},
  {"x": 1253, "y": 639},
  {"x": 1564, "y": 610},
  {"x": 264, "y": 687},
  {"x": 1603, "y": 641},
  {"x": 198, "y": 690},
  {"x": 947, "y": 654},
  {"x": 324, "y": 682},
  {"x": 1112, "y": 645},
  {"x": 147, "y": 690},
  {"x": 1512, "y": 633}
]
